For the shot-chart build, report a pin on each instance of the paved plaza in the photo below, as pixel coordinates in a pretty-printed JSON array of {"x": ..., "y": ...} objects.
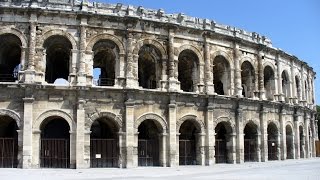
[{"x": 308, "y": 169}]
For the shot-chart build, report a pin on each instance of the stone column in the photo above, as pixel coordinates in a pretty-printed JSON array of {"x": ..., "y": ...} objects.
[
  {"x": 131, "y": 79},
  {"x": 303, "y": 90},
  {"x": 200, "y": 148},
  {"x": 81, "y": 77},
  {"x": 80, "y": 160},
  {"x": 177, "y": 158},
  {"x": 73, "y": 146},
  {"x": 233, "y": 155},
  {"x": 20, "y": 147},
  {"x": 258, "y": 146},
  {"x": 22, "y": 65},
  {"x": 264, "y": 135},
  {"x": 73, "y": 69},
  {"x": 293, "y": 89},
  {"x": 172, "y": 137},
  {"x": 30, "y": 72},
  {"x": 120, "y": 70},
  {"x": 27, "y": 133},
  {"x": 279, "y": 146},
  {"x": 307, "y": 143},
  {"x": 280, "y": 94},
  {"x": 129, "y": 134},
  {"x": 121, "y": 148},
  {"x": 240, "y": 135},
  {"x": 261, "y": 76},
  {"x": 208, "y": 68},
  {"x": 163, "y": 149},
  {"x": 172, "y": 64},
  {"x": 237, "y": 71},
  {"x": 210, "y": 138},
  {"x": 297, "y": 137},
  {"x": 314, "y": 135},
  {"x": 36, "y": 135},
  {"x": 282, "y": 130},
  {"x": 164, "y": 76}
]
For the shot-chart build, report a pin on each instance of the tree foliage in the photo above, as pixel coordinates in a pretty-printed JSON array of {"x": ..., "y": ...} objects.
[{"x": 318, "y": 118}]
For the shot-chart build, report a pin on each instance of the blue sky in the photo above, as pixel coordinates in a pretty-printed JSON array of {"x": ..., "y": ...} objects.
[{"x": 292, "y": 25}]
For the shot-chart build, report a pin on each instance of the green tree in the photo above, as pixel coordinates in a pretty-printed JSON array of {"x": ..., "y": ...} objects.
[{"x": 318, "y": 118}]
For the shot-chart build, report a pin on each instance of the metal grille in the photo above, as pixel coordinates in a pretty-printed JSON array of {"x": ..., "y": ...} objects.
[
  {"x": 318, "y": 148},
  {"x": 250, "y": 150},
  {"x": 8, "y": 153},
  {"x": 55, "y": 153},
  {"x": 187, "y": 152},
  {"x": 221, "y": 151},
  {"x": 148, "y": 152},
  {"x": 7, "y": 78},
  {"x": 272, "y": 150},
  {"x": 104, "y": 153}
]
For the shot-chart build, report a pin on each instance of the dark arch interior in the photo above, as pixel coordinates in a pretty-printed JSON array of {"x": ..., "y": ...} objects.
[
  {"x": 289, "y": 142},
  {"x": 8, "y": 142},
  {"x": 58, "y": 50},
  {"x": 10, "y": 53},
  {"x": 269, "y": 84},
  {"x": 220, "y": 74},
  {"x": 187, "y": 69},
  {"x": 150, "y": 66},
  {"x": 298, "y": 87},
  {"x": 247, "y": 79},
  {"x": 221, "y": 150},
  {"x": 250, "y": 142},
  {"x": 188, "y": 130},
  {"x": 272, "y": 142},
  {"x": 302, "y": 143},
  {"x": 148, "y": 144},
  {"x": 105, "y": 55},
  {"x": 103, "y": 128},
  {"x": 285, "y": 83},
  {"x": 55, "y": 128},
  {"x": 188, "y": 143}
]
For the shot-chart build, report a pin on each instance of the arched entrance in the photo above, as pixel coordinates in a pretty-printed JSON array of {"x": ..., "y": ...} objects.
[
  {"x": 188, "y": 141},
  {"x": 285, "y": 85},
  {"x": 223, "y": 136},
  {"x": 106, "y": 53},
  {"x": 150, "y": 67},
  {"x": 250, "y": 142},
  {"x": 8, "y": 142},
  {"x": 104, "y": 144},
  {"x": 269, "y": 83},
  {"x": 272, "y": 142},
  {"x": 10, "y": 53},
  {"x": 302, "y": 142},
  {"x": 221, "y": 75},
  {"x": 188, "y": 70},
  {"x": 247, "y": 79},
  {"x": 289, "y": 142},
  {"x": 148, "y": 143},
  {"x": 58, "y": 57},
  {"x": 55, "y": 143}
]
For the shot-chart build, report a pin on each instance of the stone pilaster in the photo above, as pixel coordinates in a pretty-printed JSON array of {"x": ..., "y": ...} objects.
[
  {"x": 210, "y": 137},
  {"x": 240, "y": 135},
  {"x": 232, "y": 150},
  {"x": 208, "y": 68},
  {"x": 237, "y": 71},
  {"x": 297, "y": 137},
  {"x": 30, "y": 72},
  {"x": 283, "y": 140},
  {"x": 261, "y": 76},
  {"x": 163, "y": 149},
  {"x": 81, "y": 74},
  {"x": 80, "y": 137},
  {"x": 172, "y": 137},
  {"x": 200, "y": 148},
  {"x": 279, "y": 79},
  {"x": 307, "y": 140},
  {"x": 27, "y": 133},
  {"x": 258, "y": 146},
  {"x": 173, "y": 85},
  {"x": 264, "y": 134},
  {"x": 131, "y": 149},
  {"x": 131, "y": 81}
]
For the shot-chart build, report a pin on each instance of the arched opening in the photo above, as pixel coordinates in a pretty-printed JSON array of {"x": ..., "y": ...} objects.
[
  {"x": 10, "y": 55},
  {"x": 104, "y": 144},
  {"x": 150, "y": 66},
  {"x": 188, "y": 141},
  {"x": 269, "y": 83},
  {"x": 105, "y": 53},
  {"x": 221, "y": 75},
  {"x": 247, "y": 79},
  {"x": 188, "y": 70},
  {"x": 298, "y": 87},
  {"x": 55, "y": 143},
  {"x": 285, "y": 85},
  {"x": 148, "y": 143},
  {"x": 223, "y": 147},
  {"x": 8, "y": 142},
  {"x": 302, "y": 142},
  {"x": 58, "y": 57},
  {"x": 250, "y": 142},
  {"x": 306, "y": 89},
  {"x": 289, "y": 142},
  {"x": 272, "y": 142}
]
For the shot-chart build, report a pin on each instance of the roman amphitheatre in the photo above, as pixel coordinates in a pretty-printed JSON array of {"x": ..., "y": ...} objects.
[{"x": 142, "y": 87}]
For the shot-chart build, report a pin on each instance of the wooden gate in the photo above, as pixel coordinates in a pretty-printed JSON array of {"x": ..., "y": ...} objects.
[
  {"x": 221, "y": 151},
  {"x": 187, "y": 152},
  {"x": 250, "y": 150},
  {"x": 318, "y": 148},
  {"x": 104, "y": 153},
  {"x": 8, "y": 153},
  {"x": 148, "y": 152},
  {"x": 55, "y": 153},
  {"x": 272, "y": 150}
]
